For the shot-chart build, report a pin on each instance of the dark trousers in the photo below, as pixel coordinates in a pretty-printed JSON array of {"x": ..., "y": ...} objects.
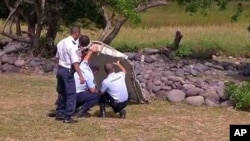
[
  {"x": 66, "y": 89},
  {"x": 86, "y": 100},
  {"x": 116, "y": 106}
]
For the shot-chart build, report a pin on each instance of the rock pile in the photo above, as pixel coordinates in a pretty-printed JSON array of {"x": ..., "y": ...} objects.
[{"x": 195, "y": 82}]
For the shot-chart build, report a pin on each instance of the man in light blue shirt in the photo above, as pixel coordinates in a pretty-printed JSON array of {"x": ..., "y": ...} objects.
[
  {"x": 87, "y": 94},
  {"x": 114, "y": 90}
]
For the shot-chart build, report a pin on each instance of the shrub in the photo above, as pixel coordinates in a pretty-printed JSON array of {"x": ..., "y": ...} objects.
[{"x": 240, "y": 94}]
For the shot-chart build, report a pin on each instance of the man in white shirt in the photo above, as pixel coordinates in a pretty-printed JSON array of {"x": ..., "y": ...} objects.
[
  {"x": 114, "y": 90},
  {"x": 68, "y": 58}
]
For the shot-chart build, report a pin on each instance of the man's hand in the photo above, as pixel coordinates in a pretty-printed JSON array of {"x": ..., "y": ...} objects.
[
  {"x": 117, "y": 63},
  {"x": 95, "y": 48},
  {"x": 81, "y": 80}
]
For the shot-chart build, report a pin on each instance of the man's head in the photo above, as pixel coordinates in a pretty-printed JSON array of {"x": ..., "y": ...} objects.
[
  {"x": 109, "y": 68},
  {"x": 75, "y": 32},
  {"x": 84, "y": 41},
  {"x": 95, "y": 69}
]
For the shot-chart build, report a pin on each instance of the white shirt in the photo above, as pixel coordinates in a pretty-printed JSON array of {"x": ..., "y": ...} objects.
[
  {"x": 115, "y": 86},
  {"x": 67, "y": 52},
  {"x": 88, "y": 76}
]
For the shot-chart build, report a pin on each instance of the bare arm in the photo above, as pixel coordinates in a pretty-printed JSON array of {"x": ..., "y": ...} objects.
[
  {"x": 78, "y": 71},
  {"x": 120, "y": 67}
]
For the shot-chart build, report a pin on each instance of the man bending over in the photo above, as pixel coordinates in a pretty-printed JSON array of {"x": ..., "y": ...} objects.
[{"x": 114, "y": 90}]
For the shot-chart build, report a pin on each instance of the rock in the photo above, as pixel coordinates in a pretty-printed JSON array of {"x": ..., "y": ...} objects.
[
  {"x": 48, "y": 67},
  {"x": 174, "y": 78},
  {"x": 167, "y": 73},
  {"x": 227, "y": 103},
  {"x": 5, "y": 59},
  {"x": 180, "y": 73},
  {"x": 157, "y": 83},
  {"x": 195, "y": 100},
  {"x": 208, "y": 64},
  {"x": 164, "y": 79},
  {"x": 166, "y": 88},
  {"x": 200, "y": 67},
  {"x": 156, "y": 88},
  {"x": 34, "y": 63},
  {"x": 192, "y": 91},
  {"x": 218, "y": 67},
  {"x": 161, "y": 95},
  {"x": 131, "y": 56},
  {"x": 176, "y": 95},
  {"x": 221, "y": 91},
  {"x": 148, "y": 59},
  {"x": 209, "y": 102},
  {"x": 212, "y": 97},
  {"x": 138, "y": 57},
  {"x": 194, "y": 72},
  {"x": 150, "y": 86},
  {"x": 19, "y": 63},
  {"x": 150, "y": 51}
]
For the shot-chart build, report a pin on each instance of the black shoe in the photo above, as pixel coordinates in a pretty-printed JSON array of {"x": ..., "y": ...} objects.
[
  {"x": 69, "y": 120},
  {"x": 122, "y": 113},
  {"x": 83, "y": 115},
  {"x": 59, "y": 118},
  {"x": 52, "y": 114}
]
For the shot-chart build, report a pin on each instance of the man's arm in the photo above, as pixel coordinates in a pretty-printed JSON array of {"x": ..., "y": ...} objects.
[
  {"x": 103, "y": 88},
  {"x": 93, "y": 48},
  {"x": 90, "y": 84},
  {"x": 75, "y": 62},
  {"x": 120, "y": 67}
]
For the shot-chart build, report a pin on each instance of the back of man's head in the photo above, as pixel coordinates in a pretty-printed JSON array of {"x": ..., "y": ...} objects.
[
  {"x": 84, "y": 40},
  {"x": 109, "y": 68}
]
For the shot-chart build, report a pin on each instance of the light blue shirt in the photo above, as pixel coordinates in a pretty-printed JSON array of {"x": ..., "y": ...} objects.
[
  {"x": 88, "y": 76},
  {"x": 115, "y": 86}
]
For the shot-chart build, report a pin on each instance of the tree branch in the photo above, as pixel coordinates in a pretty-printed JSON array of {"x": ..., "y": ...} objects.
[
  {"x": 151, "y": 4},
  {"x": 12, "y": 11},
  {"x": 108, "y": 23}
]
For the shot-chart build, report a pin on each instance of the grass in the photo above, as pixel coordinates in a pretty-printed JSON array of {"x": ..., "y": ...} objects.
[{"x": 25, "y": 100}]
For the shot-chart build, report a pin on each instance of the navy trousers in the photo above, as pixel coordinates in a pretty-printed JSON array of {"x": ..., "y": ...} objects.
[
  {"x": 86, "y": 100},
  {"x": 116, "y": 106},
  {"x": 66, "y": 89}
]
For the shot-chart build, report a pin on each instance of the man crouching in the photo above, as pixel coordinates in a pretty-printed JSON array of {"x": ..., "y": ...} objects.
[{"x": 114, "y": 90}]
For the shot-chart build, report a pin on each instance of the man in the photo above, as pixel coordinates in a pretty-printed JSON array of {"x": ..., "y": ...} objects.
[
  {"x": 87, "y": 94},
  {"x": 68, "y": 57},
  {"x": 114, "y": 90}
]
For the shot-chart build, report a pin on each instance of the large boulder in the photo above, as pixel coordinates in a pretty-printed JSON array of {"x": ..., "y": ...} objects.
[
  {"x": 195, "y": 100},
  {"x": 150, "y": 51},
  {"x": 176, "y": 95},
  {"x": 4, "y": 59}
]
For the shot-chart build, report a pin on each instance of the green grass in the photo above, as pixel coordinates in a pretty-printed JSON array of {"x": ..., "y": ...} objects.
[{"x": 25, "y": 100}]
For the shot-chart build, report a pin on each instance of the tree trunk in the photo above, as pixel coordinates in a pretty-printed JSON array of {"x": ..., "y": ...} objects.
[
  {"x": 18, "y": 26},
  {"x": 37, "y": 36},
  {"x": 115, "y": 31},
  {"x": 177, "y": 40}
]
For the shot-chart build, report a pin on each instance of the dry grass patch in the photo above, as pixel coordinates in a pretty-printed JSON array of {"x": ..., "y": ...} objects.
[{"x": 25, "y": 100}]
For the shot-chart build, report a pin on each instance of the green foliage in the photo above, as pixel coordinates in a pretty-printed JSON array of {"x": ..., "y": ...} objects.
[
  {"x": 238, "y": 12},
  {"x": 240, "y": 94},
  {"x": 184, "y": 52},
  {"x": 45, "y": 49}
]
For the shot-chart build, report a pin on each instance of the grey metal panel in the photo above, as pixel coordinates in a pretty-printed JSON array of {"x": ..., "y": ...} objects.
[{"x": 134, "y": 90}]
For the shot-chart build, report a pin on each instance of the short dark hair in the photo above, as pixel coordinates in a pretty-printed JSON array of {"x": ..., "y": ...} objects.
[
  {"x": 84, "y": 40},
  {"x": 75, "y": 29},
  {"x": 94, "y": 67}
]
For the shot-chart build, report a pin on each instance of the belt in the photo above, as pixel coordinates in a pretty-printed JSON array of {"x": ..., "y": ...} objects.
[{"x": 69, "y": 69}]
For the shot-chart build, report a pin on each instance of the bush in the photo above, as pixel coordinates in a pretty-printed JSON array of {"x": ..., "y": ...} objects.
[{"x": 240, "y": 94}]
